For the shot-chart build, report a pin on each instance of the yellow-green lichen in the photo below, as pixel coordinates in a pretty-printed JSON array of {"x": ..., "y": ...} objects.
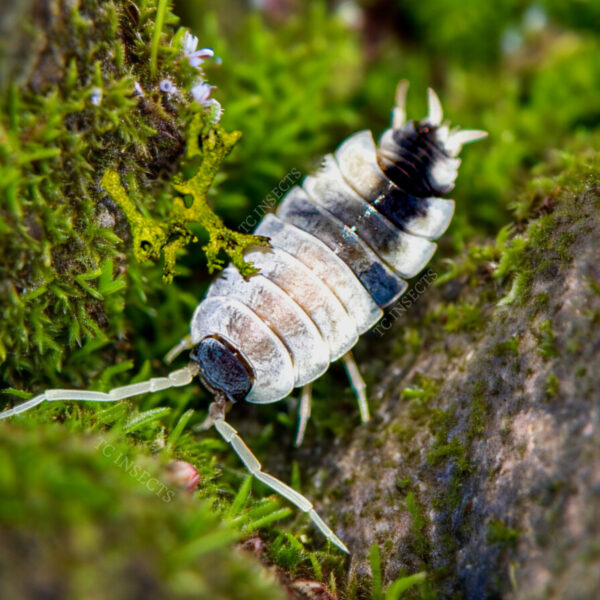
[{"x": 151, "y": 237}]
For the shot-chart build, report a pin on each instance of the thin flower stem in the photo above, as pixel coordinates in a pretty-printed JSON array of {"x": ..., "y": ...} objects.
[{"x": 158, "y": 25}]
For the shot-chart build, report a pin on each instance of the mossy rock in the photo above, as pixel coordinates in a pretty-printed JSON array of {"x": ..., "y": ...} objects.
[{"x": 494, "y": 493}]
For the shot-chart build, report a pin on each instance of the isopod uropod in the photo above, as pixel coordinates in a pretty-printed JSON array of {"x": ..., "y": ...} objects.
[{"x": 342, "y": 245}]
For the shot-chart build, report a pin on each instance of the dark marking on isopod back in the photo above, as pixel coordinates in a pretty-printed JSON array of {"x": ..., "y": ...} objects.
[
  {"x": 374, "y": 279},
  {"x": 222, "y": 368},
  {"x": 401, "y": 208},
  {"x": 297, "y": 210},
  {"x": 417, "y": 150}
]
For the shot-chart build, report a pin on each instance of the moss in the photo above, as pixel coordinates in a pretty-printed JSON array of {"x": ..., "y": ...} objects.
[
  {"x": 210, "y": 144},
  {"x": 541, "y": 301},
  {"x": 477, "y": 418},
  {"x": 405, "y": 433},
  {"x": 546, "y": 340},
  {"x": 422, "y": 392},
  {"x": 103, "y": 488},
  {"x": 508, "y": 348},
  {"x": 67, "y": 128},
  {"x": 552, "y": 386},
  {"x": 79, "y": 310},
  {"x": 417, "y": 526},
  {"x": 499, "y": 533},
  {"x": 453, "y": 449},
  {"x": 463, "y": 317}
]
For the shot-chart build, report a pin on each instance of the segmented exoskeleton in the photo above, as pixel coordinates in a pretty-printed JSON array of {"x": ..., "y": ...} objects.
[{"x": 342, "y": 245}]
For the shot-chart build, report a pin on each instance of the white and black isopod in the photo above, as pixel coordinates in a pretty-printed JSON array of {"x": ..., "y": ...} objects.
[{"x": 342, "y": 245}]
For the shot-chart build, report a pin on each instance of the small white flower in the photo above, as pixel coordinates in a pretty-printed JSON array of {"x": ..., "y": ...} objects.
[
  {"x": 216, "y": 110},
  {"x": 190, "y": 43},
  {"x": 96, "y": 97},
  {"x": 166, "y": 86},
  {"x": 201, "y": 92},
  {"x": 137, "y": 89},
  {"x": 195, "y": 57}
]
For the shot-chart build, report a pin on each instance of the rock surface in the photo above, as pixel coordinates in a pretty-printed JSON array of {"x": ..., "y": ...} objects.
[{"x": 482, "y": 462}]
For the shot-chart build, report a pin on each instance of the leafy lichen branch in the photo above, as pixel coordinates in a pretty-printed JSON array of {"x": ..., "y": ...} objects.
[{"x": 152, "y": 237}]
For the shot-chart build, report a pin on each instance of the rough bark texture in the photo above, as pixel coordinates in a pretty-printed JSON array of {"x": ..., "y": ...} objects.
[{"x": 482, "y": 462}]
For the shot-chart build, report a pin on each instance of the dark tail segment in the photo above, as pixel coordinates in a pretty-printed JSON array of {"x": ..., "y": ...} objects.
[
  {"x": 410, "y": 168},
  {"x": 418, "y": 151}
]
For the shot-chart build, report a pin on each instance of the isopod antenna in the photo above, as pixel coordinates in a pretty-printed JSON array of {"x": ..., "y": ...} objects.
[
  {"x": 177, "y": 378},
  {"x": 232, "y": 437},
  {"x": 180, "y": 378}
]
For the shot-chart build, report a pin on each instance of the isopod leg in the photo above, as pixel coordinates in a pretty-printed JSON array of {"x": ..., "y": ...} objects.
[
  {"x": 231, "y": 436},
  {"x": 303, "y": 413},
  {"x": 175, "y": 379},
  {"x": 358, "y": 386},
  {"x": 183, "y": 345}
]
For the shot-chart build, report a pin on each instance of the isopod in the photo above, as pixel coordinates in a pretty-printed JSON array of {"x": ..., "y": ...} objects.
[{"x": 342, "y": 245}]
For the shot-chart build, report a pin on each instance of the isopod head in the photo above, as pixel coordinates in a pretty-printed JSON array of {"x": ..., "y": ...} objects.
[{"x": 222, "y": 368}]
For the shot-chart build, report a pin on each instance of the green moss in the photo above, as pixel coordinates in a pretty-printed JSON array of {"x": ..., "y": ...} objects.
[
  {"x": 152, "y": 237},
  {"x": 499, "y": 533},
  {"x": 405, "y": 433},
  {"x": 546, "y": 340},
  {"x": 288, "y": 87},
  {"x": 552, "y": 385},
  {"x": 541, "y": 300},
  {"x": 76, "y": 117},
  {"x": 418, "y": 525},
  {"x": 453, "y": 449},
  {"x": 422, "y": 392},
  {"x": 463, "y": 317},
  {"x": 477, "y": 418},
  {"x": 508, "y": 348},
  {"x": 79, "y": 310},
  {"x": 104, "y": 489}
]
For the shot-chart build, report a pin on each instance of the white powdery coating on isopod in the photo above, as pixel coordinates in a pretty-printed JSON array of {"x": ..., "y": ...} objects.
[
  {"x": 309, "y": 292},
  {"x": 308, "y": 349},
  {"x": 327, "y": 266},
  {"x": 405, "y": 253},
  {"x": 265, "y": 353},
  {"x": 444, "y": 173}
]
